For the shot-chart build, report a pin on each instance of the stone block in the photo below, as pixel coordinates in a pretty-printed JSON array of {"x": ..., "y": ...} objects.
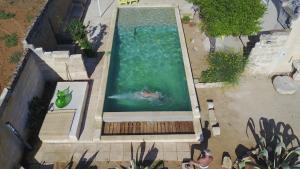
[
  {"x": 296, "y": 65},
  {"x": 168, "y": 147},
  {"x": 170, "y": 156},
  {"x": 183, "y": 155},
  {"x": 296, "y": 75},
  {"x": 284, "y": 85},
  {"x": 183, "y": 147},
  {"x": 61, "y": 54},
  {"x": 116, "y": 156}
]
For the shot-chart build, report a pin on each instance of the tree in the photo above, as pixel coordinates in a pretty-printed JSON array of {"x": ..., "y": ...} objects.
[{"x": 230, "y": 17}]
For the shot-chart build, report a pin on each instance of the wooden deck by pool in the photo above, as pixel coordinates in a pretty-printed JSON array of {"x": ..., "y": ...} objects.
[{"x": 140, "y": 128}]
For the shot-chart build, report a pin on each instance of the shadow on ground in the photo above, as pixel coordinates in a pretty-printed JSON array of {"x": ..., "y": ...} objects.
[{"x": 268, "y": 129}]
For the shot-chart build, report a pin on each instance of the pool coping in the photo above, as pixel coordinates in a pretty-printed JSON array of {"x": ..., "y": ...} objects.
[{"x": 176, "y": 115}]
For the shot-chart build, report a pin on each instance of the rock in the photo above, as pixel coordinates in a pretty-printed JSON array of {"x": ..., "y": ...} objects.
[
  {"x": 296, "y": 64},
  {"x": 195, "y": 48},
  {"x": 284, "y": 85},
  {"x": 296, "y": 75}
]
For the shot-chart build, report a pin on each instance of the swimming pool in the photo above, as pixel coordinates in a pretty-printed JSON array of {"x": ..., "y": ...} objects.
[{"x": 146, "y": 57}]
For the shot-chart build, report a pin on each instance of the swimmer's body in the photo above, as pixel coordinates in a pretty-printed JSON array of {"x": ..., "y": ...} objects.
[{"x": 150, "y": 95}]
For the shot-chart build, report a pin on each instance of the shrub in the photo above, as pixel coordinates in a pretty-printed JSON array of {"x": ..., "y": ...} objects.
[
  {"x": 230, "y": 17},
  {"x": 6, "y": 15},
  {"x": 11, "y": 40},
  {"x": 79, "y": 35},
  {"x": 15, "y": 57},
  {"x": 186, "y": 19},
  {"x": 224, "y": 67},
  {"x": 29, "y": 18}
]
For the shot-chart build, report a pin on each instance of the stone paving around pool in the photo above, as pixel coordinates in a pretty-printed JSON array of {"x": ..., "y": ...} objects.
[{"x": 114, "y": 151}]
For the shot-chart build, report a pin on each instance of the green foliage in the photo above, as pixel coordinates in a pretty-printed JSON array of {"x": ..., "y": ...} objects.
[
  {"x": 230, "y": 17},
  {"x": 11, "y": 40},
  {"x": 79, "y": 35},
  {"x": 15, "y": 57},
  {"x": 224, "y": 67},
  {"x": 29, "y": 18},
  {"x": 186, "y": 19},
  {"x": 272, "y": 156},
  {"x": 77, "y": 30},
  {"x": 6, "y": 15}
]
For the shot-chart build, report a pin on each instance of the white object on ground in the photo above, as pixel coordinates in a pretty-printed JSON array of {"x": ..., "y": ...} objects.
[
  {"x": 284, "y": 85},
  {"x": 227, "y": 163},
  {"x": 216, "y": 130},
  {"x": 210, "y": 105}
]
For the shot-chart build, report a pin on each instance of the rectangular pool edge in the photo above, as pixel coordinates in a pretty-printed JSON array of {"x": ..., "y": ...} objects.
[
  {"x": 139, "y": 116},
  {"x": 189, "y": 115}
]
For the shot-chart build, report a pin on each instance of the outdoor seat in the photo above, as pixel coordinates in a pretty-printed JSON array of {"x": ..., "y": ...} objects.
[
  {"x": 213, "y": 122},
  {"x": 123, "y": 2}
]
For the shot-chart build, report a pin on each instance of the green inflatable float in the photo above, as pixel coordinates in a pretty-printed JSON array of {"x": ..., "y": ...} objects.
[{"x": 64, "y": 97}]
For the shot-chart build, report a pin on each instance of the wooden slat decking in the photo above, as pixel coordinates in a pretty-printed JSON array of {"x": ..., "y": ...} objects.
[{"x": 139, "y": 128}]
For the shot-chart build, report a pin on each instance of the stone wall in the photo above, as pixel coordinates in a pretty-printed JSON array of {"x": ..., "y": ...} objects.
[
  {"x": 275, "y": 52},
  {"x": 60, "y": 65},
  {"x": 265, "y": 56},
  {"x": 43, "y": 31},
  {"x": 27, "y": 83}
]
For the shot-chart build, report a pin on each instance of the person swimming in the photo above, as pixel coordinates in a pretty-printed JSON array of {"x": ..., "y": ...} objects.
[{"x": 144, "y": 94}]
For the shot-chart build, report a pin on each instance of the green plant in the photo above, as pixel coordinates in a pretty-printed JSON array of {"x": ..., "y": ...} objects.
[
  {"x": 230, "y": 17},
  {"x": 273, "y": 156},
  {"x": 186, "y": 19},
  {"x": 15, "y": 57},
  {"x": 79, "y": 35},
  {"x": 224, "y": 67},
  {"x": 77, "y": 30},
  {"x": 29, "y": 18},
  {"x": 11, "y": 40},
  {"x": 6, "y": 15}
]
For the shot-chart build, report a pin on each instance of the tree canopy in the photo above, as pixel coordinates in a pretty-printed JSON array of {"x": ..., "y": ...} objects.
[{"x": 230, "y": 17}]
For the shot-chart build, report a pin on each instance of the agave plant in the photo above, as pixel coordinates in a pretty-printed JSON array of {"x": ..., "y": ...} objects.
[{"x": 275, "y": 155}]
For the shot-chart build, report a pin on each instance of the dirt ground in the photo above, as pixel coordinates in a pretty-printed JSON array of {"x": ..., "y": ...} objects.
[
  {"x": 25, "y": 11},
  {"x": 194, "y": 38}
]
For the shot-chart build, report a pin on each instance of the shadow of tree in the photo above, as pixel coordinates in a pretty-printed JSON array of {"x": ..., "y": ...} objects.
[
  {"x": 83, "y": 163},
  {"x": 268, "y": 129},
  {"x": 146, "y": 159}
]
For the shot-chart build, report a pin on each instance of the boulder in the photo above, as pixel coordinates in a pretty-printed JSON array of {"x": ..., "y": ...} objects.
[
  {"x": 284, "y": 85},
  {"x": 296, "y": 75},
  {"x": 296, "y": 65}
]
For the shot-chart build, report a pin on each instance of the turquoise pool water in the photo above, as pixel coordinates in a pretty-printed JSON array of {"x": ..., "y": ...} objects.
[{"x": 146, "y": 56}]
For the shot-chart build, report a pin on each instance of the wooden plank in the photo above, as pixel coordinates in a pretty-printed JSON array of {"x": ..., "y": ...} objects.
[{"x": 138, "y": 127}]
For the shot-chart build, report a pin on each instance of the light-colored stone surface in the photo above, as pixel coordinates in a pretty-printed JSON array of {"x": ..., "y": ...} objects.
[
  {"x": 254, "y": 98},
  {"x": 170, "y": 155},
  {"x": 296, "y": 75},
  {"x": 183, "y": 155},
  {"x": 209, "y": 85},
  {"x": 275, "y": 52},
  {"x": 265, "y": 56},
  {"x": 65, "y": 66},
  {"x": 296, "y": 64},
  {"x": 284, "y": 85},
  {"x": 182, "y": 147},
  {"x": 69, "y": 118}
]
